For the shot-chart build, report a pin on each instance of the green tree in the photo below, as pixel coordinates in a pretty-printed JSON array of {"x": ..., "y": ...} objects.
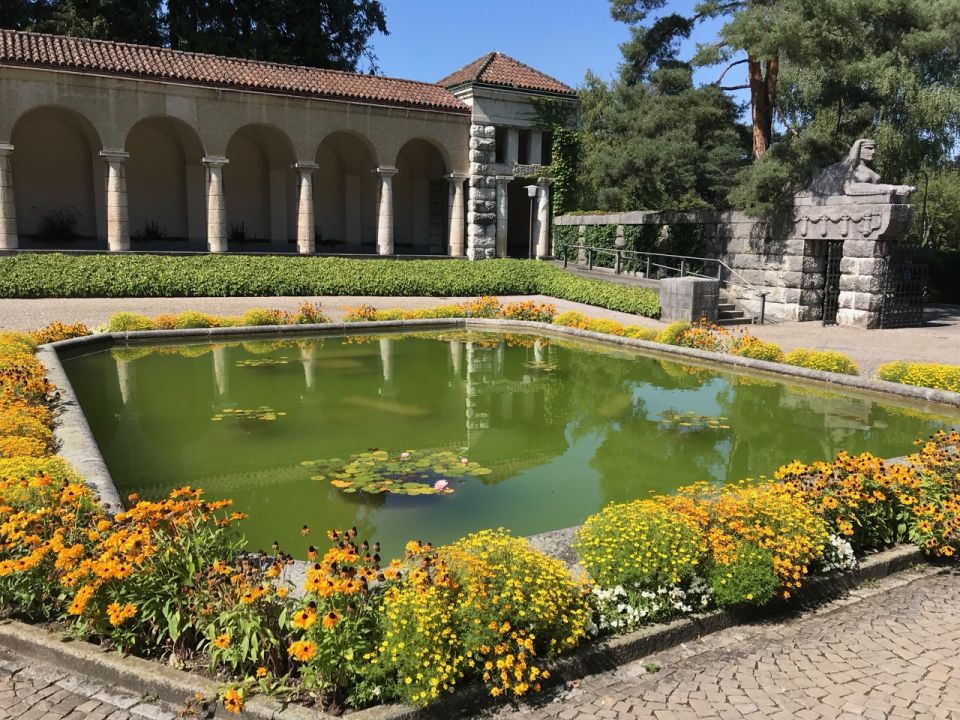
[
  {"x": 820, "y": 75},
  {"x": 652, "y": 140}
]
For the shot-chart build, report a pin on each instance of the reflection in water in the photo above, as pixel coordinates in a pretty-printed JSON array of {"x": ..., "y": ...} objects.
[{"x": 564, "y": 427}]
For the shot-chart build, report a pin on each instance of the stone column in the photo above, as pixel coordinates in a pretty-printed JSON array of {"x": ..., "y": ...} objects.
[
  {"x": 482, "y": 207},
  {"x": 536, "y": 147},
  {"x": 543, "y": 218},
  {"x": 456, "y": 357},
  {"x": 503, "y": 217},
  {"x": 457, "y": 230},
  {"x": 512, "y": 154},
  {"x": 118, "y": 224},
  {"x": 306, "y": 242},
  {"x": 216, "y": 205},
  {"x": 8, "y": 211},
  {"x": 582, "y": 242},
  {"x": 385, "y": 211}
]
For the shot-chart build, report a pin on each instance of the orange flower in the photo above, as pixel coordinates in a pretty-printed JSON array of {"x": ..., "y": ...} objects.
[
  {"x": 233, "y": 700},
  {"x": 330, "y": 620},
  {"x": 222, "y": 641},
  {"x": 303, "y": 650}
]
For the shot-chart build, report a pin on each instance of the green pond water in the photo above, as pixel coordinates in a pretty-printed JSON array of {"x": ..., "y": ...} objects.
[{"x": 562, "y": 427}]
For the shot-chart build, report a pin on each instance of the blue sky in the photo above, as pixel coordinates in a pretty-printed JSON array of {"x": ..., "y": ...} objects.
[{"x": 563, "y": 38}]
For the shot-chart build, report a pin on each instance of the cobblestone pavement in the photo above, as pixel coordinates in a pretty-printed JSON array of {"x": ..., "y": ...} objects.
[
  {"x": 937, "y": 341},
  {"x": 894, "y": 654},
  {"x": 35, "y": 691}
]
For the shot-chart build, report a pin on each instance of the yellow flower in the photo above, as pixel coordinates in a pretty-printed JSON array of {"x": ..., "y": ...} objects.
[
  {"x": 261, "y": 672},
  {"x": 303, "y": 650},
  {"x": 222, "y": 641},
  {"x": 303, "y": 619}
]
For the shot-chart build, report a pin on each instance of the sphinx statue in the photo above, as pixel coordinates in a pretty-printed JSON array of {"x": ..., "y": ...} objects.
[{"x": 854, "y": 180}]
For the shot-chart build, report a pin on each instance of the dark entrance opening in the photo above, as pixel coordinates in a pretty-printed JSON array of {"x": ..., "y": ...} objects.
[
  {"x": 831, "y": 288},
  {"x": 518, "y": 213}
]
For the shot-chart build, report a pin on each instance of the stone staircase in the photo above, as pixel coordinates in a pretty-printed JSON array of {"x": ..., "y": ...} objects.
[{"x": 728, "y": 313}]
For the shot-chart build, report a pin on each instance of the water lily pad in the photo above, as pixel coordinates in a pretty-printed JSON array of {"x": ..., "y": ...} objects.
[
  {"x": 262, "y": 362},
  {"x": 264, "y": 413},
  {"x": 691, "y": 421},
  {"x": 409, "y": 472}
]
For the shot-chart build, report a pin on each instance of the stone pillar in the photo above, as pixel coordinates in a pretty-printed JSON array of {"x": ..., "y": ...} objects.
[
  {"x": 543, "y": 218},
  {"x": 862, "y": 280},
  {"x": 118, "y": 225},
  {"x": 456, "y": 357},
  {"x": 503, "y": 217},
  {"x": 482, "y": 207},
  {"x": 8, "y": 211},
  {"x": 456, "y": 245},
  {"x": 306, "y": 242},
  {"x": 512, "y": 153},
  {"x": 216, "y": 205},
  {"x": 689, "y": 298},
  {"x": 536, "y": 147},
  {"x": 385, "y": 211},
  {"x": 582, "y": 242}
]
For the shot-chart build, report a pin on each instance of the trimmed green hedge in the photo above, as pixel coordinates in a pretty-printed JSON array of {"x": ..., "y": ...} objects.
[{"x": 64, "y": 276}]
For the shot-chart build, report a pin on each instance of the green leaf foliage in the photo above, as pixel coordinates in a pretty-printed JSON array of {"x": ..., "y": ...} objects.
[{"x": 56, "y": 275}]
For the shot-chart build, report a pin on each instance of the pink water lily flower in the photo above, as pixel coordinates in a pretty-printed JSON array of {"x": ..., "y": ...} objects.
[
  {"x": 464, "y": 461},
  {"x": 404, "y": 455},
  {"x": 440, "y": 485}
]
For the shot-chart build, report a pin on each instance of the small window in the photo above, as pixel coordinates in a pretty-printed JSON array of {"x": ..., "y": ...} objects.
[
  {"x": 501, "y": 145},
  {"x": 523, "y": 156}
]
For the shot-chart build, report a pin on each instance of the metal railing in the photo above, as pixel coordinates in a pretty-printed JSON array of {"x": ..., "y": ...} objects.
[{"x": 657, "y": 265}]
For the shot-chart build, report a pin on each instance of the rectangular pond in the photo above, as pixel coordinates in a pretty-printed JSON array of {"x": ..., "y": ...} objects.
[{"x": 530, "y": 433}]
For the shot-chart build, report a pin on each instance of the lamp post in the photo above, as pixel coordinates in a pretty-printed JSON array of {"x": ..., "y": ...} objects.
[{"x": 532, "y": 194}]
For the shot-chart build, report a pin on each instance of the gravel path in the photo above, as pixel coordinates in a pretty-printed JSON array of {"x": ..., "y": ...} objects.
[{"x": 937, "y": 341}]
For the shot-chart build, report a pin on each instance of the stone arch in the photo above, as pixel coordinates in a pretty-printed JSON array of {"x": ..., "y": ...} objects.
[
  {"x": 260, "y": 189},
  {"x": 421, "y": 199},
  {"x": 165, "y": 184},
  {"x": 58, "y": 179},
  {"x": 345, "y": 194}
]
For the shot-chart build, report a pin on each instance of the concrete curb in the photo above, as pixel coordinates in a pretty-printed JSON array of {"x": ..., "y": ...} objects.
[{"x": 174, "y": 687}]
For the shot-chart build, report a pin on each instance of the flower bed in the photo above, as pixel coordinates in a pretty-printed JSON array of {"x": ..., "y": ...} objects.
[{"x": 171, "y": 579}]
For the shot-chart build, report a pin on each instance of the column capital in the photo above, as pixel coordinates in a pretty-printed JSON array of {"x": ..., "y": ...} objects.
[
  {"x": 385, "y": 172},
  {"x": 112, "y": 155},
  {"x": 504, "y": 179},
  {"x": 305, "y": 165},
  {"x": 215, "y": 161},
  {"x": 544, "y": 182},
  {"x": 457, "y": 177},
  {"x": 6, "y": 148}
]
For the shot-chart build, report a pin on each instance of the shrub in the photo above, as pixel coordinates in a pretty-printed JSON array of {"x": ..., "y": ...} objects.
[
  {"x": 482, "y": 307},
  {"x": 362, "y": 313},
  {"x": 528, "y": 310},
  {"x": 935, "y": 521},
  {"x": 862, "y": 497},
  {"x": 309, "y": 314},
  {"x": 13, "y": 342},
  {"x": 58, "y": 331},
  {"x": 602, "y": 325},
  {"x": 128, "y": 321},
  {"x": 12, "y": 446},
  {"x": 644, "y": 544},
  {"x": 191, "y": 319},
  {"x": 484, "y": 607},
  {"x": 931, "y": 375},
  {"x": 58, "y": 275},
  {"x": 262, "y": 316},
  {"x": 640, "y": 333},
  {"x": 25, "y": 467},
  {"x": 672, "y": 334},
  {"x": 16, "y": 421},
  {"x": 773, "y": 516},
  {"x": 165, "y": 321},
  {"x": 826, "y": 360},
  {"x": 748, "y": 578},
  {"x": 749, "y": 346},
  {"x": 571, "y": 318}
]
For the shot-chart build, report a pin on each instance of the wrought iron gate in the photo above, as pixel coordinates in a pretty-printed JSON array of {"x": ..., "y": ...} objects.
[
  {"x": 831, "y": 287},
  {"x": 904, "y": 282}
]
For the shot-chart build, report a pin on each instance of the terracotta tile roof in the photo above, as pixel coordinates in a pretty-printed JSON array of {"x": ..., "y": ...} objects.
[
  {"x": 498, "y": 69},
  {"x": 57, "y": 51}
]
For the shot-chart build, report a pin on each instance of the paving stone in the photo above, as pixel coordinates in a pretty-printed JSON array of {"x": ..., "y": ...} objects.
[{"x": 888, "y": 654}]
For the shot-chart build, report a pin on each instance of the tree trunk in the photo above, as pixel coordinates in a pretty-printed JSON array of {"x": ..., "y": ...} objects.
[{"x": 763, "y": 94}]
